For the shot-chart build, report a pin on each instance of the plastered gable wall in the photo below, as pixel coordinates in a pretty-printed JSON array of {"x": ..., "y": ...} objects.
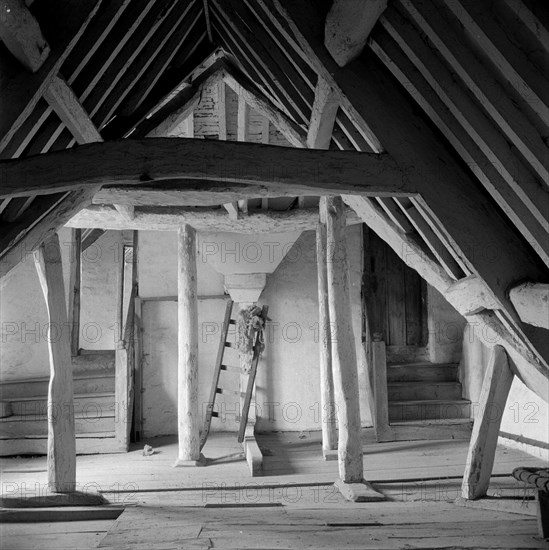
[
  {"x": 205, "y": 121},
  {"x": 288, "y": 386},
  {"x": 23, "y": 315}
]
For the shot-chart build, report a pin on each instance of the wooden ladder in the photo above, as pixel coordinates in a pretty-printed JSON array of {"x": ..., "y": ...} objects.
[{"x": 220, "y": 366}]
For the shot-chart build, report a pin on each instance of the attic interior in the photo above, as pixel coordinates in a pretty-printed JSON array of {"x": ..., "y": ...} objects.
[{"x": 274, "y": 274}]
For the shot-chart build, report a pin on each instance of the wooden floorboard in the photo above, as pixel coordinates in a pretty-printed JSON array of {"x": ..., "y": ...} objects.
[{"x": 293, "y": 505}]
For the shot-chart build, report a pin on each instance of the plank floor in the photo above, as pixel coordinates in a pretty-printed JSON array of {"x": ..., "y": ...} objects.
[{"x": 293, "y": 505}]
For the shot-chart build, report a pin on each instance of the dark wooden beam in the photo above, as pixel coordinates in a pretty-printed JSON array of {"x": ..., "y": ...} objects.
[{"x": 137, "y": 161}]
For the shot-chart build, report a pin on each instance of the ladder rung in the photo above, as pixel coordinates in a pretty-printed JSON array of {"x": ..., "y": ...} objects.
[
  {"x": 230, "y": 392},
  {"x": 229, "y": 368}
]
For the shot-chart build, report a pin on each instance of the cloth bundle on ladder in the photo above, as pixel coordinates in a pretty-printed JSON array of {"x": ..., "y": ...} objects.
[{"x": 249, "y": 323}]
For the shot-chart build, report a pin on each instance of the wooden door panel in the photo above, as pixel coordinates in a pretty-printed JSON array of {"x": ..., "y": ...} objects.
[{"x": 394, "y": 295}]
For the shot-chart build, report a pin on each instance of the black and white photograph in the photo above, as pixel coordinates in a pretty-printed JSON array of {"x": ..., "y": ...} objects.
[{"x": 274, "y": 274}]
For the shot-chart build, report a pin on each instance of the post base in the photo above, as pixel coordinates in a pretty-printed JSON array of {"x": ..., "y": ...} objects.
[
  {"x": 48, "y": 499},
  {"x": 179, "y": 463},
  {"x": 358, "y": 492}
]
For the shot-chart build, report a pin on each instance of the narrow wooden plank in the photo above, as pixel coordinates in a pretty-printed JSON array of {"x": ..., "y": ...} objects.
[
  {"x": 342, "y": 343},
  {"x": 395, "y": 214},
  {"x": 327, "y": 404},
  {"x": 381, "y": 403},
  {"x": 395, "y": 301},
  {"x": 75, "y": 260},
  {"x": 187, "y": 401},
  {"x": 531, "y": 21},
  {"x": 242, "y": 119},
  {"x": 348, "y": 25},
  {"x": 482, "y": 449},
  {"x": 208, "y": 22},
  {"x": 222, "y": 110},
  {"x": 375, "y": 268},
  {"x": 413, "y": 305},
  {"x": 438, "y": 247},
  {"x": 61, "y": 432},
  {"x": 21, "y": 34}
]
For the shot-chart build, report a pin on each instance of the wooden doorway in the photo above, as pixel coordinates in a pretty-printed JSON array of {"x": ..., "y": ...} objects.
[{"x": 395, "y": 297}]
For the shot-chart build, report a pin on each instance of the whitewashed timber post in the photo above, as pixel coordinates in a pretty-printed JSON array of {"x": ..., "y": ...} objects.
[
  {"x": 188, "y": 411},
  {"x": 61, "y": 430},
  {"x": 327, "y": 405},
  {"x": 344, "y": 361}
]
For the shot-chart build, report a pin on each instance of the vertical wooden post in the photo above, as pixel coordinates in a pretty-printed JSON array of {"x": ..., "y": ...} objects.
[
  {"x": 187, "y": 383},
  {"x": 74, "y": 289},
  {"x": 343, "y": 346},
  {"x": 243, "y": 122},
  {"x": 222, "y": 110},
  {"x": 482, "y": 448},
  {"x": 119, "y": 321},
  {"x": 61, "y": 432},
  {"x": 327, "y": 405}
]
